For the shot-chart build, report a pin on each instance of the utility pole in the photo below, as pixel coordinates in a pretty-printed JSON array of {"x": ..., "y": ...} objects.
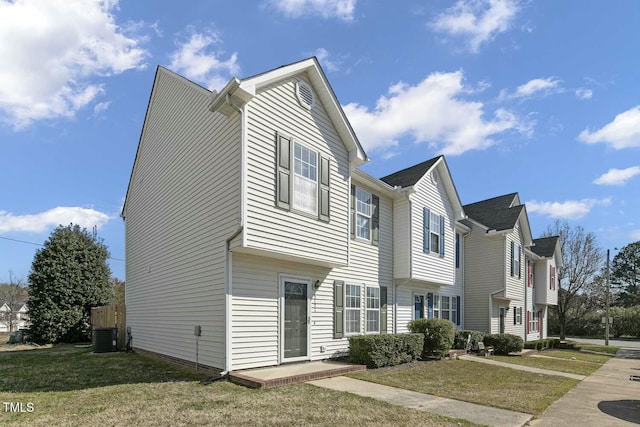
[{"x": 606, "y": 326}]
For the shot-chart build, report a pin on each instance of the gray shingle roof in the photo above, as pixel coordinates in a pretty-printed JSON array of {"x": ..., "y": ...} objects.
[
  {"x": 495, "y": 213},
  {"x": 411, "y": 175},
  {"x": 545, "y": 246}
]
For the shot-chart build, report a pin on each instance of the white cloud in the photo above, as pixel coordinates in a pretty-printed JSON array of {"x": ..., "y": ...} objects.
[
  {"x": 197, "y": 60},
  {"x": 617, "y": 176},
  {"x": 570, "y": 209},
  {"x": 622, "y": 132},
  {"x": 432, "y": 111},
  {"x": 52, "y": 53},
  {"x": 340, "y": 9},
  {"x": 477, "y": 20},
  {"x": 635, "y": 234},
  {"x": 533, "y": 87},
  {"x": 323, "y": 57},
  {"x": 40, "y": 222},
  {"x": 583, "y": 93}
]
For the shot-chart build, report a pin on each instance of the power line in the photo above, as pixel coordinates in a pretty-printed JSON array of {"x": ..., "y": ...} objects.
[{"x": 40, "y": 244}]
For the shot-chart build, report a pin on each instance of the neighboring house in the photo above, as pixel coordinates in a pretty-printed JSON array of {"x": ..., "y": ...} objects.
[
  {"x": 427, "y": 243},
  {"x": 253, "y": 239},
  {"x": 501, "y": 261},
  {"x": 14, "y": 317},
  {"x": 543, "y": 260}
]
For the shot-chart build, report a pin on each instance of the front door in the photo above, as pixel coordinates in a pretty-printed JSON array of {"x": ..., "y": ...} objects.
[
  {"x": 295, "y": 320},
  {"x": 502, "y": 314}
]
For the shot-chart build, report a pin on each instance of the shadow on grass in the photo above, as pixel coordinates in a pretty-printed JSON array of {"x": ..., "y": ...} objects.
[
  {"x": 67, "y": 367},
  {"x": 628, "y": 410}
]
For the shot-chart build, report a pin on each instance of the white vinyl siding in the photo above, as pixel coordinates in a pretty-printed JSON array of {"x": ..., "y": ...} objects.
[
  {"x": 277, "y": 232},
  {"x": 431, "y": 267},
  {"x": 402, "y": 238},
  {"x": 183, "y": 203}
]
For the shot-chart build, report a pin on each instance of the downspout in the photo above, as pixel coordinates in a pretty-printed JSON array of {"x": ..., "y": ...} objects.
[{"x": 228, "y": 299}]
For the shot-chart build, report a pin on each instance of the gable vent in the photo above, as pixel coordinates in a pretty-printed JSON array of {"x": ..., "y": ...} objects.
[{"x": 305, "y": 95}]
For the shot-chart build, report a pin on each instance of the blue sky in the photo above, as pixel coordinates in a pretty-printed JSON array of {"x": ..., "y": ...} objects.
[{"x": 538, "y": 97}]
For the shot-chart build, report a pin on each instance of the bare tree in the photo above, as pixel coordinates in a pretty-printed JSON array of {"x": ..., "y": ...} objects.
[
  {"x": 12, "y": 294},
  {"x": 579, "y": 275}
]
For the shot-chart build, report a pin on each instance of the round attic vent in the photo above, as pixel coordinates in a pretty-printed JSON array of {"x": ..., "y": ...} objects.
[{"x": 305, "y": 95}]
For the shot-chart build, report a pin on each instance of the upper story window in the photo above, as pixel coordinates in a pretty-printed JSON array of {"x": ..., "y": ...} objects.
[
  {"x": 363, "y": 214},
  {"x": 433, "y": 232},
  {"x": 552, "y": 277},
  {"x": 302, "y": 179},
  {"x": 305, "y": 180},
  {"x": 530, "y": 280},
  {"x": 516, "y": 258}
]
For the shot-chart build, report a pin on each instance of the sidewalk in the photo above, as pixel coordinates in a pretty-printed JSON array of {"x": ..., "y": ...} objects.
[
  {"x": 605, "y": 398},
  {"x": 478, "y": 414},
  {"x": 522, "y": 367}
]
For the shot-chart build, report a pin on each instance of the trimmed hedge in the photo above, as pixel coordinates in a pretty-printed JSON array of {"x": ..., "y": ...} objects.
[
  {"x": 543, "y": 344},
  {"x": 503, "y": 344},
  {"x": 438, "y": 336},
  {"x": 461, "y": 336},
  {"x": 377, "y": 351}
]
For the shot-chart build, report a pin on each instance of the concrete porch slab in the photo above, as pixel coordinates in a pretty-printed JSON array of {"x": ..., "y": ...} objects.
[{"x": 292, "y": 373}]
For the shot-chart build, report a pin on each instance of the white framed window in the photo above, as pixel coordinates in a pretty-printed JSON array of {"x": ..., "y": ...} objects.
[
  {"x": 352, "y": 309},
  {"x": 436, "y": 306},
  {"x": 434, "y": 231},
  {"x": 373, "y": 310},
  {"x": 363, "y": 214},
  {"x": 445, "y": 308},
  {"x": 533, "y": 321},
  {"x": 305, "y": 180},
  {"x": 517, "y": 315},
  {"x": 516, "y": 260},
  {"x": 454, "y": 310}
]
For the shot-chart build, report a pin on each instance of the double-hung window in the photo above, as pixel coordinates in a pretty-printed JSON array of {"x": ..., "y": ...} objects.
[
  {"x": 352, "y": 309},
  {"x": 436, "y": 306},
  {"x": 517, "y": 315},
  {"x": 533, "y": 322},
  {"x": 305, "y": 180},
  {"x": 454, "y": 310},
  {"x": 373, "y": 310},
  {"x": 516, "y": 254},
  {"x": 435, "y": 232},
  {"x": 363, "y": 214},
  {"x": 552, "y": 277},
  {"x": 445, "y": 308}
]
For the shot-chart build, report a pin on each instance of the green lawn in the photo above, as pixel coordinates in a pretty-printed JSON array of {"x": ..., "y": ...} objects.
[
  {"x": 578, "y": 355},
  {"x": 67, "y": 385},
  {"x": 599, "y": 348},
  {"x": 475, "y": 382},
  {"x": 579, "y": 367}
]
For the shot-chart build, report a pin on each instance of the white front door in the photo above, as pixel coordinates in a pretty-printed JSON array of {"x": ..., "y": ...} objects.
[{"x": 295, "y": 332}]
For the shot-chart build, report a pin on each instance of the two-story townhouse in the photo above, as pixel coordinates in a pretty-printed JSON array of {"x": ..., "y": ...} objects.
[
  {"x": 251, "y": 238},
  {"x": 428, "y": 240},
  {"x": 495, "y": 270},
  {"x": 542, "y": 261}
]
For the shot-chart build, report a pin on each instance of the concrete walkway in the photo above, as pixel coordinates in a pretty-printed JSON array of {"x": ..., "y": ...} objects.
[
  {"x": 605, "y": 398},
  {"x": 425, "y": 402},
  {"x": 521, "y": 367}
]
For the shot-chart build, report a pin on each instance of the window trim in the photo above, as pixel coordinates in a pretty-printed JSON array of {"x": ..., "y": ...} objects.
[
  {"x": 432, "y": 233},
  {"x": 444, "y": 298},
  {"x": 347, "y": 309},
  {"x": 436, "y": 306},
  {"x": 369, "y": 217},
  {"x": 368, "y": 310},
  {"x": 316, "y": 182}
]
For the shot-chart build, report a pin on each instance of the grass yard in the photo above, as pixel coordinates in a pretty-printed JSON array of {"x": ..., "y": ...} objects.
[
  {"x": 599, "y": 348},
  {"x": 67, "y": 385},
  {"x": 578, "y": 355},
  {"x": 475, "y": 382},
  {"x": 566, "y": 364}
]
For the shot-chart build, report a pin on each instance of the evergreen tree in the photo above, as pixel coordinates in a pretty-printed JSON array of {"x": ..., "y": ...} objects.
[
  {"x": 625, "y": 272},
  {"x": 69, "y": 275}
]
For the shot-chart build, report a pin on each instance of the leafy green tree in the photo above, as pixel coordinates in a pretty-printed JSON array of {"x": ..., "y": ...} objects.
[
  {"x": 625, "y": 272},
  {"x": 578, "y": 277},
  {"x": 69, "y": 275}
]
